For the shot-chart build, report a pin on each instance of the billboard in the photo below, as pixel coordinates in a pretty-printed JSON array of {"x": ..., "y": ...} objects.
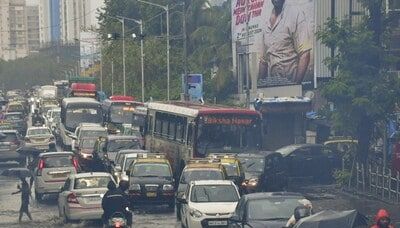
[
  {"x": 89, "y": 53},
  {"x": 194, "y": 85},
  {"x": 277, "y": 36}
]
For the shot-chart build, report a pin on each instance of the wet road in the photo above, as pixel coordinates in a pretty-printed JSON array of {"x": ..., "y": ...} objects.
[{"x": 46, "y": 214}]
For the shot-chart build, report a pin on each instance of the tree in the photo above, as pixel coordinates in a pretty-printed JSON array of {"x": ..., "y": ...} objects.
[{"x": 363, "y": 92}]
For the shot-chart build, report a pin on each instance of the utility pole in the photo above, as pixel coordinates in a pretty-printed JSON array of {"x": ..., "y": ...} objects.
[
  {"x": 185, "y": 68},
  {"x": 101, "y": 66},
  {"x": 112, "y": 77},
  {"x": 123, "y": 55},
  {"x": 247, "y": 57},
  {"x": 166, "y": 8}
]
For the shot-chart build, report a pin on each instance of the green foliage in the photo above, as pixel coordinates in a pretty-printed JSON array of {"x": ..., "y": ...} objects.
[
  {"x": 208, "y": 45},
  {"x": 363, "y": 92},
  {"x": 342, "y": 177}
]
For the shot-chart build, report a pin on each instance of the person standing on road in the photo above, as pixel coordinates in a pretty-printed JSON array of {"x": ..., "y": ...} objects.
[
  {"x": 382, "y": 220},
  {"x": 25, "y": 191}
]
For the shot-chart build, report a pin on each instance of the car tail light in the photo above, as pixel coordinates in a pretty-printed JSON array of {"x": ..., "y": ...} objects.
[
  {"x": 71, "y": 198},
  {"x": 40, "y": 167},
  {"x": 76, "y": 164}
]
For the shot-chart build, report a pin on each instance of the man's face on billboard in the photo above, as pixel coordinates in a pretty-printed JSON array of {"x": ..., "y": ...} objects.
[{"x": 278, "y": 4}]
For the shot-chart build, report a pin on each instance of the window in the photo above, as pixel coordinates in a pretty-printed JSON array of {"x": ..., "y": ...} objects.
[
  {"x": 67, "y": 184},
  {"x": 165, "y": 126},
  {"x": 190, "y": 134},
  {"x": 150, "y": 125}
]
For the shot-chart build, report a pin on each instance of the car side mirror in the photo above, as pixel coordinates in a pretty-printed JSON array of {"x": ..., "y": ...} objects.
[{"x": 118, "y": 168}]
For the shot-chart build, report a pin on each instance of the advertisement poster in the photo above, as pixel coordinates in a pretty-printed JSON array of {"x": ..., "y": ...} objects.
[
  {"x": 89, "y": 53},
  {"x": 279, "y": 43}
]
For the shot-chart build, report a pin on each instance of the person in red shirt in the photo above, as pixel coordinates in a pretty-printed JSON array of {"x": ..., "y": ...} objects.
[{"x": 382, "y": 219}]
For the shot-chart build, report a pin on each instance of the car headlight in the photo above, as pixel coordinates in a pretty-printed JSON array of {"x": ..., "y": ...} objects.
[
  {"x": 126, "y": 178},
  {"x": 195, "y": 213},
  {"x": 134, "y": 187},
  {"x": 168, "y": 187}
]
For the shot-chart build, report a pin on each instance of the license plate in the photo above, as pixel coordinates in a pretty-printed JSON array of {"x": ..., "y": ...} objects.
[
  {"x": 151, "y": 194},
  {"x": 217, "y": 223},
  {"x": 59, "y": 175}
]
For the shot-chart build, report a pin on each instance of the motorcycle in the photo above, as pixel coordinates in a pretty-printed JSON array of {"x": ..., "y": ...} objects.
[{"x": 118, "y": 220}]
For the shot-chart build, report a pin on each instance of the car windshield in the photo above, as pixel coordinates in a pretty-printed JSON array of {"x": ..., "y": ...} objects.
[
  {"x": 58, "y": 161},
  {"x": 75, "y": 116},
  {"x": 9, "y": 137},
  {"x": 122, "y": 144},
  {"x": 214, "y": 193},
  {"x": 88, "y": 143},
  {"x": 15, "y": 108},
  {"x": 231, "y": 169},
  {"x": 128, "y": 163},
  {"x": 92, "y": 182},
  {"x": 205, "y": 174},
  {"x": 13, "y": 117},
  {"x": 251, "y": 164},
  {"x": 265, "y": 209},
  {"x": 228, "y": 137},
  {"x": 93, "y": 133},
  {"x": 39, "y": 131},
  {"x": 121, "y": 113},
  {"x": 151, "y": 170},
  {"x": 287, "y": 149}
]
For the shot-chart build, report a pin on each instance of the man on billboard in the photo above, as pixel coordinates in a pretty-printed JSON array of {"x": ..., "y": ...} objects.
[{"x": 287, "y": 43}]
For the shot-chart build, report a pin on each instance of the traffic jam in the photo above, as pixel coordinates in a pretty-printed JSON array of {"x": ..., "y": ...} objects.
[{"x": 104, "y": 158}]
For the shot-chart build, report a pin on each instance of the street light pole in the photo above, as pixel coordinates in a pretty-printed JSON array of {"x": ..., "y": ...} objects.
[
  {"x": 140, "y": 22},
  {"x": 166, "y": 8}
]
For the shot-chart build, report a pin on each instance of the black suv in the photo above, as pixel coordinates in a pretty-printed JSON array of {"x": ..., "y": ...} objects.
[{"x": 264, "y": 171}]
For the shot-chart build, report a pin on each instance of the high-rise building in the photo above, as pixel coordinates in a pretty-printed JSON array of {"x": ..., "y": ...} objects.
[
  {"x": 33, "y": 26},
  {"x": 13, "y": 26},
  {"x": 49, "y": 21},
  {"x": 77, "y": 15}
]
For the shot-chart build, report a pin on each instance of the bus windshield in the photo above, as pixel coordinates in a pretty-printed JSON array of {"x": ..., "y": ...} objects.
[
  {"x": 75, "y": 116},
  {"x": 228, "y": 134},
  {"x": 121, "y": 113}
]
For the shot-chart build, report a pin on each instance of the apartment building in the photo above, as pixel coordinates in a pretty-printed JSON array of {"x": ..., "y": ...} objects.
[
  {"x": 76, "y": 16},
  {"x": 33, "y": 26},
  {"x": 13, "y": 26},
  {"x": 49, "y": 13}
]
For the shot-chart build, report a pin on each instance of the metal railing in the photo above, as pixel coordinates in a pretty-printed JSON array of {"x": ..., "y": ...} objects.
[{"x": 378, "y": 181}]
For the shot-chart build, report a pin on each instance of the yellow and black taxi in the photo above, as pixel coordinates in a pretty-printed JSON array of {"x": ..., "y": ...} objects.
[
  {"x": 232, "y": 166},
  {"x": 151, "y": 180},
  {"x": 199, "y": 169}
]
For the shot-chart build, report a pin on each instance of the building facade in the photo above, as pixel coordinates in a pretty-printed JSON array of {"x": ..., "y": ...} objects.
[
  {"x": 33, "y": 27},
  {"x": 13, "y": 21},
  {"x": 76, "y": 16},
  {"x": 49, "y": 21}
]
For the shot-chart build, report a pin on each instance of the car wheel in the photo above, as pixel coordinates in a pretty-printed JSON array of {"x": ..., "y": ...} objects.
[{"x": 66, "y": 220}]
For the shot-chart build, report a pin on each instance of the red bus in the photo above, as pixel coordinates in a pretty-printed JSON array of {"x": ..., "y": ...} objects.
[
  {"x": 184, "y": 131},
  {"x": 83, "y": 90}
]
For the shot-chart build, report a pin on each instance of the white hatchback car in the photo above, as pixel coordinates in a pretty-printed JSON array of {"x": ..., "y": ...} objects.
[
  {"x": 52, "y": 171},
  {"x": 39, "y": 138},
  {"x": 209, "y": 203},
  {"x": 81, "y": 196}
]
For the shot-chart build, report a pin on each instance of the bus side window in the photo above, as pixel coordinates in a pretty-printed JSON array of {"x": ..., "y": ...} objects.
[
  {"x": 165, "y": 125},
  {"x": 172, "y": 127},
  {"x": 158, "y": 126}
]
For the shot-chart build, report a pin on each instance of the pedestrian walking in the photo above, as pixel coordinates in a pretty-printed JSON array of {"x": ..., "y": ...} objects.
[{"x": 25, "y": 191}]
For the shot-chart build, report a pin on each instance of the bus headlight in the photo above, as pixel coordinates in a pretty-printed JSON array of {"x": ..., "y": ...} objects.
[
  {"x": 134, "y": 187},
  {"x": 168, "y": 187}
]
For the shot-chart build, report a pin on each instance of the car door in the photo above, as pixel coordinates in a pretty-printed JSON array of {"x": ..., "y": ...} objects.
[
  {"x": 184, "y": 207},
  {"x": 280, "y": 175},
  {"x": 299, "y": 162},
  {"x": 319, "y": 164}
]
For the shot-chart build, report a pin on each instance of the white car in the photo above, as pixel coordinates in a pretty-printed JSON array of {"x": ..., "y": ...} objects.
[
  {"x": 52, "y": 170},
  {"x": 209, "y": 203},
  {"x": 126, "y": 161},
  {"x": 39, "y": 138},
  {"x": 52, "y": 116},
  {"x": 81, "y": 196},
  {"x": 87, "y": 130}
]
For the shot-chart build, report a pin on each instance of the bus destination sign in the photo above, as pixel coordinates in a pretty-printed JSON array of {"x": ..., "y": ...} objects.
[{"x": 226, "y": 120}]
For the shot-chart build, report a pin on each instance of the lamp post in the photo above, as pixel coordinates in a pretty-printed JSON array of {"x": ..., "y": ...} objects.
[
  {"x": 139, "y": 22},
  {"x": 122, "y": 20},
  {"x": 166, "y": 8}
]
